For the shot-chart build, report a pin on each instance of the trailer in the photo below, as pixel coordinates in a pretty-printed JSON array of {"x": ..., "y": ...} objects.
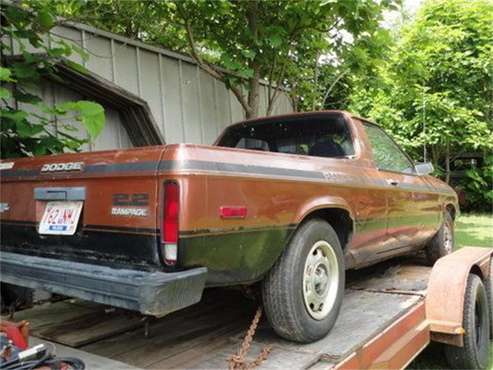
[{"x": 391, "y": 312}]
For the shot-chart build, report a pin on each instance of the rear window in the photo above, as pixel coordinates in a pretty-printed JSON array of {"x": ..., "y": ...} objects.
[{"x": 324, "y": 136}]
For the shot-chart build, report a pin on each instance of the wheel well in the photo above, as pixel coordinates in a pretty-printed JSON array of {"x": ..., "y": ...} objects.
[
  {"x": 451, "y": 210},
  {"x": 339, "y": 219},
  {"x": 477, "y": 271}
]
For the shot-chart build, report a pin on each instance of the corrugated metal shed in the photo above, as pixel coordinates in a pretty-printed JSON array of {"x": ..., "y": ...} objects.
[{"x": 187, "y": 104}]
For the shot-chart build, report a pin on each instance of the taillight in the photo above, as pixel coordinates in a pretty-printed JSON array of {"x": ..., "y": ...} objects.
[{"x": 169, "y": 227}]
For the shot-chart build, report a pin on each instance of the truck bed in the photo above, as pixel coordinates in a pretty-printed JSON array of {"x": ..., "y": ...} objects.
[{"x": 207, "y": 334}]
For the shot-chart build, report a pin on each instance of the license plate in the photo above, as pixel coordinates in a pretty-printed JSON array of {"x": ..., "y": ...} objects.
[{"x": 60, "y": 218}]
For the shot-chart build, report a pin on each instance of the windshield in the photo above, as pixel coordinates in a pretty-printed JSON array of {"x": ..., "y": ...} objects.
[{"x": 319, "y": 137}]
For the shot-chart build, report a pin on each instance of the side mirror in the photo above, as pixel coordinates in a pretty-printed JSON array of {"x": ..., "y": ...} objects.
[{"x": 424, "y": 168}]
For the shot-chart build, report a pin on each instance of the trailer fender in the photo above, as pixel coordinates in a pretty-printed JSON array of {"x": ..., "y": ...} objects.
[{"x": 446, "y": 290}]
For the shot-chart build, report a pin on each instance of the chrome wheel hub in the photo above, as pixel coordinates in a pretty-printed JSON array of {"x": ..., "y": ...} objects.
[{"x": 320, "y": 280}]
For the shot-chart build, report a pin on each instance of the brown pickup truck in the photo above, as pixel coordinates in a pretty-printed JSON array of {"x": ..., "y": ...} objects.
[{"x": 289, "y": 202}]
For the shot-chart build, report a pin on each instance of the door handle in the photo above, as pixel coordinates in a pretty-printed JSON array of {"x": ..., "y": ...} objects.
[{"x": 392, "y": 182}]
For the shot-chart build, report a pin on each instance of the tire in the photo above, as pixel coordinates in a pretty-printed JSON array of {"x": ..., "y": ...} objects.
[
  {"x": 488, "y": 284},
  {"x": 443, "y": 242},
  {"x": 303, "y": 291},
  {"x": 475, "y": 354}
]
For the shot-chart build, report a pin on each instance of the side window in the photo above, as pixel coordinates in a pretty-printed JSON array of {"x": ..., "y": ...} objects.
[{"x": 387, "y": 155}]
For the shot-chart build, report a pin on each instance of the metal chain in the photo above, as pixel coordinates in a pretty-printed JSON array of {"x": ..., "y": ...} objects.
[
  {"x": 260, "y": 358},
  {"x": 238, "y": 360}
]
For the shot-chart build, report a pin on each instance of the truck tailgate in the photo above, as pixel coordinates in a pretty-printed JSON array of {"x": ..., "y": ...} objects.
[{"x": 116, "y": 193}]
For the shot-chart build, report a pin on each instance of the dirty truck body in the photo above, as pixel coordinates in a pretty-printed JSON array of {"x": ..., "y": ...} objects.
[{"x": 158, "y": 224}]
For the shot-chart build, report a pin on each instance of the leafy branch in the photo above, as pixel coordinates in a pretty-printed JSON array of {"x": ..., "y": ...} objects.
[{"x": 29, "y": 126}]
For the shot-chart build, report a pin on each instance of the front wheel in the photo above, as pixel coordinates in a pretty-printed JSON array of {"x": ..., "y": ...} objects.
[{"x": 303, "y": 292}]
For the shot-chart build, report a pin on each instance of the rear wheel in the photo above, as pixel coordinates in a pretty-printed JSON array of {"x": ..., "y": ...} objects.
[
  {"x": 488, "y": 284},
  {"x": 303, "y": 292},
  {"x": 475, "y": 354},
  {"x": 443, "y": 242}
]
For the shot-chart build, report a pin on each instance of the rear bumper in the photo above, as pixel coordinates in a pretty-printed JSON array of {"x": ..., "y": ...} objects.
[{"x": 151, "y": 293}]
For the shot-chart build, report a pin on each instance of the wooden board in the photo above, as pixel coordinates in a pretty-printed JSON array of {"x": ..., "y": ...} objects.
[
  {"x": 221, "y": 314},
  {"x": 75, "y": 323},
  {"x": 207, "y": 334}
]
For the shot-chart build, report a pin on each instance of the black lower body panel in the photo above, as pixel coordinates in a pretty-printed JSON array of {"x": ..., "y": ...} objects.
[
  {"x": 152, "y": 293},
  {"x": 96, "y": 244}
]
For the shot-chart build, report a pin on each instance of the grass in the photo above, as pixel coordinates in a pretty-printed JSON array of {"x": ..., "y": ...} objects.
[
  {"x": 474, "y": 230},
  {"x": 470, "y": 230}
]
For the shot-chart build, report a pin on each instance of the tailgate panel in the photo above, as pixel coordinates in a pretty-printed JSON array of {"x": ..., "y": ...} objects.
[{"x": 118, "y": 223}]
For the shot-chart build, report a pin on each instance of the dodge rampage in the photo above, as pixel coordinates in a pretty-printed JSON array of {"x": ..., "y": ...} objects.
[{"x": 290, "y": 202}]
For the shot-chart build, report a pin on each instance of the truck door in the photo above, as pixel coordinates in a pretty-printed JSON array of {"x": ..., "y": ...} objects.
[
  {"x": 370, "y": 206},
  {"x": 404, "y": 209}
]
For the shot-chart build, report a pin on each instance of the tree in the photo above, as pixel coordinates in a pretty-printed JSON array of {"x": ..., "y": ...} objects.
[
  {"x": 28, "y": 125},
  {"x": 149, "y": 21},
  {"x": 274, "y": 40},
  {"x": 436, "y": 88},
  {"x": 328, "y": 83},
  {"x": 242, "y": 42}
]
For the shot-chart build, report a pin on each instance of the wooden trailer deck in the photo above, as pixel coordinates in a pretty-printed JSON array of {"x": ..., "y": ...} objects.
[{"x": 205, "y": 335}]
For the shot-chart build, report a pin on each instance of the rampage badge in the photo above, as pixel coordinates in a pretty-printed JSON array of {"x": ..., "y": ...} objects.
[{"x": 129, "y": 211}]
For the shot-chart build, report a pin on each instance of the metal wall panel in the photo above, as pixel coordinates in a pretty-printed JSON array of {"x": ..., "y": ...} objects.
[
  {"x": 111, "y": 137},
  {"x": 173, "y": 117},
  {"x": 71, "y": 35},
  {"x": 223, "y": 110},
  {"x": 188, "y": 104},
  {"x": 208, "y": 108},
  {"x": 126, "y": 68},
  {"x": 99, "y": 50},
  {"x": 236, "y": 109},
  {"x": 263, "y": 99},
  {"x": 150, "y": 83}
]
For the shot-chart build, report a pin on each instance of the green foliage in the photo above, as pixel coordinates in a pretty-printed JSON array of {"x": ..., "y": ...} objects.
[
  {"x": 28, "y": 125},
  {"x": 435, "y": 88},
  {"x": 439, "y": 73},
  {"x": 90, "y": 114},
  {"x": 149, "y": 21},
  {"x": 280, "y": 41},
  {"x": 478, "y": 186},
  {"x": 327, "y": 82},
  {"x": 277, "y": 40}
]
